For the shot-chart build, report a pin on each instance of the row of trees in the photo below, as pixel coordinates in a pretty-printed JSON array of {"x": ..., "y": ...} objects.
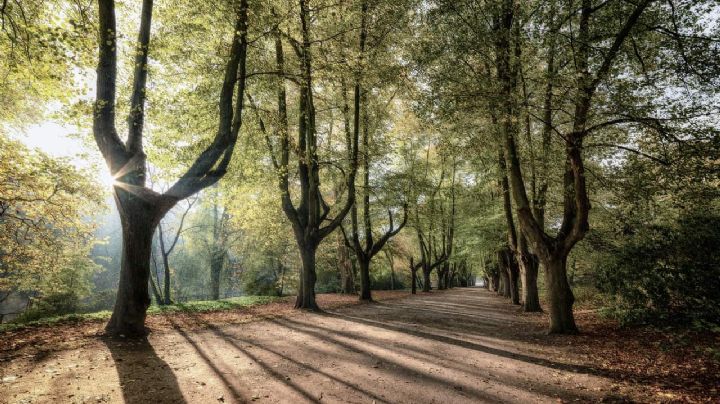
[{"x": 454, "y": 137}]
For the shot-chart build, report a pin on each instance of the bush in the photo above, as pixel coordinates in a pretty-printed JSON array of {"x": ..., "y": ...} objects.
[
  {"x": 381, "y": 279},
  {"x": 261, "y": 283},
  {"x": 49, "y": 306},
  {"x": 102, "y": 300},
  {"x": 667, "y": 273}
]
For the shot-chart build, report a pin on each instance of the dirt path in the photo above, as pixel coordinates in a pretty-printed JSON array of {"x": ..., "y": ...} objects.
[{"x": 463, "y": 345}]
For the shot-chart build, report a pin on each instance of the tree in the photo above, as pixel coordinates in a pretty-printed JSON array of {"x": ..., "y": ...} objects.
[
  {"x": 553, "y": 251},
  {"x": 218, "y": 246},
  {"x": 141, "y": 208},
  {"x": 165, "y": 250},
  {"x": 309, "y": 215},
  {"x": 45, "y": 237},
  {"x": 365, "y": 253},
  {"x": 435, "y": 239}
]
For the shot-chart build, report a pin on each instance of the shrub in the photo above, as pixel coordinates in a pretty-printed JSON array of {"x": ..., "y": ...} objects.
[
  {"x": 49, "y": 306},
  {"x": 667, "y": 272}
]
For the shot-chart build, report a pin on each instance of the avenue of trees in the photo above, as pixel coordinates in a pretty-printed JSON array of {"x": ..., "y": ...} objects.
[{"x": 543, "y": 147}]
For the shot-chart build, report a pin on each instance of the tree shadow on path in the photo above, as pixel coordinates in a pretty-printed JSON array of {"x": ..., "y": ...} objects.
[{"x": 143, "y": 376}]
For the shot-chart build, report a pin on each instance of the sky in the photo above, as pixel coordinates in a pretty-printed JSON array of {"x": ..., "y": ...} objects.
[{"x": 58, "y": 140}]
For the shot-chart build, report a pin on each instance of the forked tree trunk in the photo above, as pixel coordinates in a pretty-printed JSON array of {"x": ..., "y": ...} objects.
[
  {"x": 365, "y": 293},
  {"x": 139, "y": 221},
  {"x": 560, "y": 297},
  {"x": 308, "y": 277}
]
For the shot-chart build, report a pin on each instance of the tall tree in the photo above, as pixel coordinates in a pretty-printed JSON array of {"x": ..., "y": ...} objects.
[
  {"x": 553, "y": 251},
  {"x": 368, "y": 247},
  {"x": 141, "y": 208},
  {"x": 365, "y": 253},
  {"x": 309, "y": 216}
]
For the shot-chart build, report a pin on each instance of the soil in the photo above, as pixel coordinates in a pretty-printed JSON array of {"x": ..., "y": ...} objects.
[{"x": 457, "y": 346}]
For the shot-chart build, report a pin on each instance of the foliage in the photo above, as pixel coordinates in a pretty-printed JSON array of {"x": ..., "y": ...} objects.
[
  {"x": 667, "y": 271},
  {"x": 45, "y": 235},
  {"x": 429, "y": 104}
]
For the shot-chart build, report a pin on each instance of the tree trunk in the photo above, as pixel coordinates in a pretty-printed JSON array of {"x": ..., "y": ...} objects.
[
  {"x": 308, "y": 277},
  {"x": 156, "y": 292},
  {"x": 560, "y": 297},
  {"x": 217, "y": 260},
  {"x": 426, "y": 279},
  {"x": 347, "y": 276},
  {"x": 281, "y": 288},
  {"x": 166, "y": 263},
  {"x": 513, "y": 275},
  {"x": 365, "y": 294},
  {"x": 347, "y": 284},
  {"x": 138, "y": 221},
  {"x": 504, "y": 290},
  {"x": 413, "y": 280},
  {"x": 392, "y": 271},
  {"x": 529, "y": 274}
]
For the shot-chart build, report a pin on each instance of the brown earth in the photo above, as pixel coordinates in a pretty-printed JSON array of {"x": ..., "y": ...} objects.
[{"x": 462, "y": 345}]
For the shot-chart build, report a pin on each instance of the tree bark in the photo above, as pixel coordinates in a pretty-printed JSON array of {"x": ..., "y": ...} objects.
[
  {"x": 513, "y": 278},
  {"x": 155, "y": 291},
  {"x": 308, "y": 277},
  {"x": 153, "y": 285},
  {"x": 217, "y": 261},
  {"x": 365, "y": 293},
  {"x": 560, "y": 297},
  {"x": 413, "y": 288},
  {"x": 413, "y": 276},
  {"x": 166, "y": 266},
  {"x": 138, "y": 220},
  {"x": 504, "y": 284},
  {"x": 166, "y": 285},
  {"x": 347, "y": 276},
  {"x": 426, "y": 278},
  {"x": 528, "y": 276}
]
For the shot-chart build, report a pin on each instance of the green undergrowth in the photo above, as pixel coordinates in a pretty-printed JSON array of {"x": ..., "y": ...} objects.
[{"x": 185, "y": 307}]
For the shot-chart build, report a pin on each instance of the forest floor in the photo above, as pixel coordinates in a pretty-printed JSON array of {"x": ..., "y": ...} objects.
[{"x": 461, "y": 345}]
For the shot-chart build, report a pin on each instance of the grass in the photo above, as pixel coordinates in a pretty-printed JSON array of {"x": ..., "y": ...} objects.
[
  {"x": 186, "y": 307},
  {"x": 213, "y": 305}
]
